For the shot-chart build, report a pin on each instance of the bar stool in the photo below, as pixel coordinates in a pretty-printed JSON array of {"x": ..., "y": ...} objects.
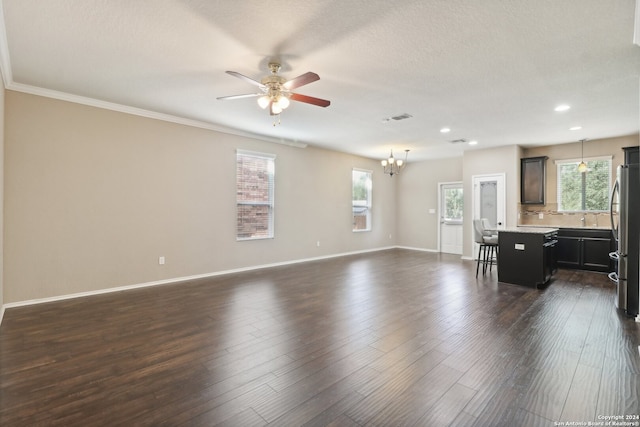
[{"x": 488, "y": 245}]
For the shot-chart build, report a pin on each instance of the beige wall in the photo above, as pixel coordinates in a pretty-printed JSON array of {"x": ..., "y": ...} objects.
[
  {"x": 491, "y": 161},
  {"x": 594, "y": 148},
  {"x": 93, "y": 198},
  {"x": 417, "y": 193}
]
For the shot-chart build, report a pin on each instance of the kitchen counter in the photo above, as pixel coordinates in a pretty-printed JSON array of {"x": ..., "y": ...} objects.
[
  {"x": 528, "y": 229},
  {"x": 594, "y": 227}
]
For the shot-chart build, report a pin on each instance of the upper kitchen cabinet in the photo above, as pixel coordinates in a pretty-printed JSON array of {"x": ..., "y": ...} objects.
[
  {"x": 533, "y": 173},
  {"x": 631, "y": 155}
]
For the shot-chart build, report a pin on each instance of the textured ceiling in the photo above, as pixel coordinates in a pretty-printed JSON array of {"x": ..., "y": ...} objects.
[{"x": 490, "y": 70}]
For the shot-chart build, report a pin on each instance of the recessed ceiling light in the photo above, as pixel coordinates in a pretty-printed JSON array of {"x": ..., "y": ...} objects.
[
  {"x": 576, "y": 128},
  {"x": 562, "y": 107},
  {"x": 474, "y": 142},
  {"x": 445, "y": 130}
]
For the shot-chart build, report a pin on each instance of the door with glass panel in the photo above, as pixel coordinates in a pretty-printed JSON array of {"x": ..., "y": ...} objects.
[
  {"x": 451, "y": 209},
  {"x": 489, "y": 201}
]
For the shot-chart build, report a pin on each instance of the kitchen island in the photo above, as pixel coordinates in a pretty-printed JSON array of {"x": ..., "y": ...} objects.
[{"x": 527, "y": 255}]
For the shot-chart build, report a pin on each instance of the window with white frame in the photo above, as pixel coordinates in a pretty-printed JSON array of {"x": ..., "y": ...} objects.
[
  {"x": 255, "y": 174},
  {"x": 361, "y": 199},
  {"x": 584, "y": 191}
]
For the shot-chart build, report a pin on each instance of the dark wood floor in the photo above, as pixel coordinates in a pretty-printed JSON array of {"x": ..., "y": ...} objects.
[{"x": 391, "y": 338}]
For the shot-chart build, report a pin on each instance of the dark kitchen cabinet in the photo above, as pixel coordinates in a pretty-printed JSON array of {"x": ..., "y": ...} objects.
[
  {"x": 584, "y": 249},
  {"x": 631, "y": 155},
  {"x": 533, "y": 174}
]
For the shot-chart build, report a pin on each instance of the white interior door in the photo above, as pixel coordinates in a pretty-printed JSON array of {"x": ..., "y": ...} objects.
[
  {"x": 489, "y": 201},
  {"x": 451, "y": 207}
]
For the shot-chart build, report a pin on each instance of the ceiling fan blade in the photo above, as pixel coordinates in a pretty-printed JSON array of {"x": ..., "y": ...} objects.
[
  {"x": 302, "y": 80},
  {"x": 310, "y": 100},
  {"x": 248, "y": 95},
  {"x": 245, "y": 78}
]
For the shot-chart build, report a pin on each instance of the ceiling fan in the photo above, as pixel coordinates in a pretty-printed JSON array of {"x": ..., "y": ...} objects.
[{"x": 276, "y": 91}]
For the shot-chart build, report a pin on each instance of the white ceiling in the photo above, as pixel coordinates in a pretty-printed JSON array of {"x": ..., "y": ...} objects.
[{"x": 490, "y": 70}]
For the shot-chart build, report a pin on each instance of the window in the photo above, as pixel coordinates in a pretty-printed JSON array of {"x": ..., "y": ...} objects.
[
  {"x": 361, "y": 196},
  {"x": 452, "y": 203},
  {"x": 587, "y": 191},
  {"x": 254, "y": 195}
]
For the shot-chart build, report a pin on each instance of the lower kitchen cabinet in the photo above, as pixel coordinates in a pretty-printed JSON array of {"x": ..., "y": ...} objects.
[{"x": 585, "y": 249}]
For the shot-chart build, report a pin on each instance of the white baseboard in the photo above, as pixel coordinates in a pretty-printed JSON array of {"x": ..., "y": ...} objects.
[
  {"x": 418, "y": 249},
  {"x": 181, "y": 279}
]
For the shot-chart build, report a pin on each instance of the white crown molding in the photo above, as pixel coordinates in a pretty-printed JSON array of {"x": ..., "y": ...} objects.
[{"x": 64, "y": 96}]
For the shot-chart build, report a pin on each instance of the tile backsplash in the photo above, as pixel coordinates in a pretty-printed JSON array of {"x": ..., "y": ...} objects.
[{"x": 548, "y": 215}]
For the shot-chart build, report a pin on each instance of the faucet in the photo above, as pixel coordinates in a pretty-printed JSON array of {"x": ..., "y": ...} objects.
[{"x": 582, "y": 220}]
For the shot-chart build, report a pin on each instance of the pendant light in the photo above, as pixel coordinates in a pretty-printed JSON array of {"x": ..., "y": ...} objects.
[{"x": 582, "y": 167}]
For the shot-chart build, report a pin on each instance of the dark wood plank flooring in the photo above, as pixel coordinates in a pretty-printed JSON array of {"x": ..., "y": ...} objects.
[{"x": 391, "y": 338}]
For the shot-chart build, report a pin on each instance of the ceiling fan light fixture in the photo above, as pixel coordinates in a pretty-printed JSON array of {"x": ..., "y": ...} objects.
[
  {"x": 264, "y": 101},
  {"x": 283, "y": 101},
  {"x": 275, "y": 108}
]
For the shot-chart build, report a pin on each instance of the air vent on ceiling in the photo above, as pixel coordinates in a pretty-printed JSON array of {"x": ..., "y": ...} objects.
[
  {"x": 398, "y": 117},
  {"x": 458, "y": 141},
  {"x": 402, "y": 117}
]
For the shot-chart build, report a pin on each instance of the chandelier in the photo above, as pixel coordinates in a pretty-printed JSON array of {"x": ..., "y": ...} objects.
[{"x": 392, "y": 166}]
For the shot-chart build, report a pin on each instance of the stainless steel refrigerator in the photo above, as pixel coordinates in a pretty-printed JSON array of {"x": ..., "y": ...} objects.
[{"x": 625, "y": 224}]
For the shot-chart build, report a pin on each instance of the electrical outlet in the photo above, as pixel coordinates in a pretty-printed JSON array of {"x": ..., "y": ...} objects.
[
  {"x": 540, "y": 215},
  {"x": 318, "y": 243},
  {"x": 161, "y": 260}
]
